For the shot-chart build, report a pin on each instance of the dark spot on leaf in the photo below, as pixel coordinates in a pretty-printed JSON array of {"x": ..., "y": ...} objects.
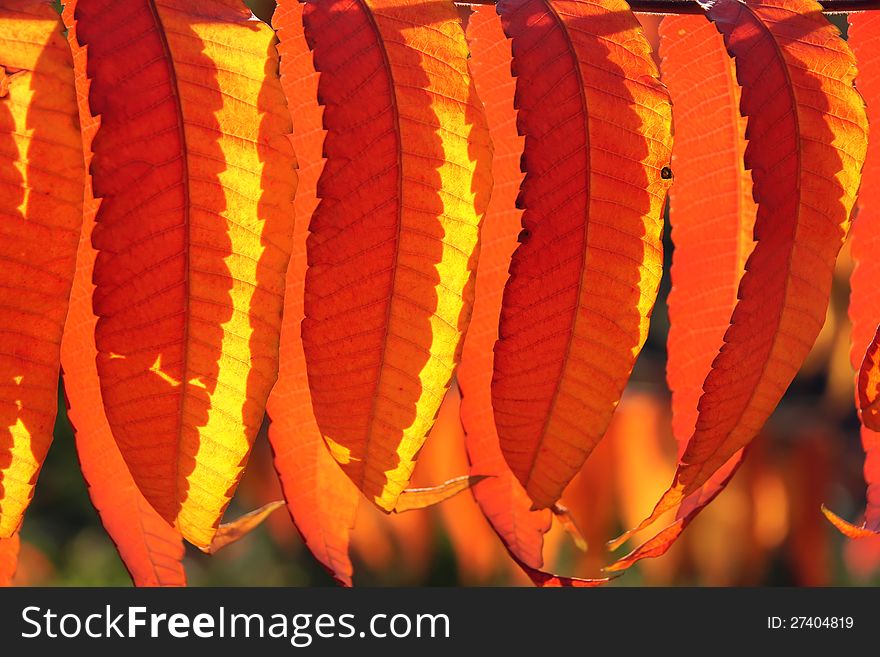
[{"x": 666, "y": 173}]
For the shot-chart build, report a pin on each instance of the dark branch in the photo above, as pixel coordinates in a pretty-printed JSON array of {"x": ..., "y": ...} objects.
[{"x": 691, "y": 7}]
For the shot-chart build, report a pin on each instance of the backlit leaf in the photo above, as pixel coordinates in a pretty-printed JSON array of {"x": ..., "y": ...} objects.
[
  {"x": 393, "y": 242},
  {"x": 501, "y": 497},
  {"x": 321, "y": 500},
  {"x": 41, "y": 197},
  {"x": 864, "y": 300},
  {"x": 151, "y": 549},
  {"x": 230, "y": 532},
  {"x": 582, "y": 284},
  {"x": 422, "y": 498},
  {"x": 713, "y": 215},
  {"x": 807, "y": 140},
  {"x": 195, "y": 172}
]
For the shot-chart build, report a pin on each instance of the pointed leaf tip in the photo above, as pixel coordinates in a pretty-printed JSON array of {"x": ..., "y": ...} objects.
[
  {"x": 422, "y": 498},
  {"x": 847, "y": 528},
  {"x": 563, "y": 515},
  {"x": 230, "y": 532}
]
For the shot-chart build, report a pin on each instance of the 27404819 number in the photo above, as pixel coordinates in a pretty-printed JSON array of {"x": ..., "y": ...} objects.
[{"x": 810, "y": 622}]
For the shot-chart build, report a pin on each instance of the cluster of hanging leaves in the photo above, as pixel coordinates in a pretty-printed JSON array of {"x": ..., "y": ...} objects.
[{"x": 205, "y": 219}]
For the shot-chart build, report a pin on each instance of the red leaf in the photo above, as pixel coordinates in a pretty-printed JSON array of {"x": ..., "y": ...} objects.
[
  {"x": 41, "y": 174},
  {"x": 150, "y": 548},
  {"x": 393, "y": 243},
  {"x": 582, "y": 284},
  {"x": 195, "y": 171},
  {"x": 501, "y": 497},
  {"x": 713, "y": 215},
  {"x": 807, "y": 139},
  {"x": 864, "y": 300},
  {"x": 321, "y": 500}
]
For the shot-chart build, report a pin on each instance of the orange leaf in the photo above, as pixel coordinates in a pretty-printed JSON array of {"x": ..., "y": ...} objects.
[
  {"x": 393, "y": 241},
  {"x": 582, "y": 284},
  {"x": 322, "y": 501},
  {"x": 807, "y": 139},
  {"x": 660, "y": 543},
  {"x": 195, "y": 172},
  {"x": 711, "y": 206},
  {"x": 230, "y": 532},
  {"x": 422, "y": 498},
  {"x": 150, "y": 548},
  {"x": 864, "y": 300},
  {"x": 501, "y": 497},
  {"x": 846, "y": 528},
  {"x": 8, "y": 558},
  {"x": 713, "y": 216},
  {"x": 41, "y": 171},
  {"x": 868, "y": 386}
]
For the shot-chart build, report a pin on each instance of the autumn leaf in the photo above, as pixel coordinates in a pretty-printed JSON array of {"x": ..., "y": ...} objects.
[
  {"x": 867, "y": 393},
  {"x": 501, "y": 497},
  {"x": 41, "y": 197},
  {"x": 713, "y": 215},
  {"x": 864, "y": 300},
  {"x": 230, "y": 532},
  {"x": 807, "y": 139},
  {"x": 150, "y": 548},
  {"x": 321, "y": 500},
  {"x": 9, "y": 548},
  {"x": 195, "y": 172},
  {"x": 411, "y": 499},
  {"x": 582, "y": 284},
  {"x": 393, "y": 242}
]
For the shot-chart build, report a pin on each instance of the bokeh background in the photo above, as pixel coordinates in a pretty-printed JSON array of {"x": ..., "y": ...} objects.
[{"x": 765, "y": 529}]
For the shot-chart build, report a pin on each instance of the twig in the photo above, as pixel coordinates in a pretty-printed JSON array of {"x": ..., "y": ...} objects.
[{"x": 691, "y": 7}]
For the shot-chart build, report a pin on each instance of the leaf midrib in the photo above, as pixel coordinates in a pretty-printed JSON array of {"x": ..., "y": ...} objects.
[
  {"x": 395, "y": 112},
  {"x": 574, "y": 324},
  {"x": 184, "y": 382},
  {"x": 793, "y": 95}
]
